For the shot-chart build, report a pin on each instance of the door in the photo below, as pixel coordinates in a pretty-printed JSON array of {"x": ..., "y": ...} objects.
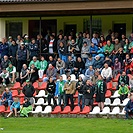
[{"x": 120, "y": 28}]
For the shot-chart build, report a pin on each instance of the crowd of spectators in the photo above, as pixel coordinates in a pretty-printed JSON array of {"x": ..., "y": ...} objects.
[{"x": 99, "y": 58}]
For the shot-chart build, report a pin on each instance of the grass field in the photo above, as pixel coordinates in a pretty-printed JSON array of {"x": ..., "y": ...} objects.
[{"x": 65, "y": 125}]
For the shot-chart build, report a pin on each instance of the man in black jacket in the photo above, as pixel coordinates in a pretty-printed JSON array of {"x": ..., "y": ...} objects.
[
  {"x": 88, "y": 93},
  {"x": 51, "y": 91},
  {"x": 28, "y": 91}
]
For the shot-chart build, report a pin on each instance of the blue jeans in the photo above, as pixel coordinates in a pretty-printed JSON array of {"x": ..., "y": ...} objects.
[
  {"x": 45, "y": 79},
  {"x": 7, "y": 102},
  {"x": 81, "y": 99},
  {"x": 64, "y": 58},
  {"x": 60, "y": 97},
  {"x": 128, "y": 113},
  {"x": 62, "y": 71}
]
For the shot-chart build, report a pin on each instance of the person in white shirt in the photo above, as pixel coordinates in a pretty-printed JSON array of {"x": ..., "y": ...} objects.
[
  {"x": 4, "y": 77},
  {"x": 106, "y": 73}
]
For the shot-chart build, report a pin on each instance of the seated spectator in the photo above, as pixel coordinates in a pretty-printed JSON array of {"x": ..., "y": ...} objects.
[
  {"x": 87, "y": 40},
  {"x": 89, "y": 62},
  {"x": 123, "y": 40},
  {"x": 73, "y": 49},
  {"x": 26, "y": 108},
  {"x": 100, "y": 51},
  {"x": 89, "y": 73},
  {"x": 117, "y": 67},
  {"x": 33, "y": 73},
  {"x": 24, "y": 74},
  {"x": 51, "y": 91},
  {"x": 59, "y": 93},
  {"x": 79, "y": 67},
  {"x": 131, "y": 82},
  {"x": 123, "y": 78},
  {"x": 63, "y": 51},
  {"x": 5, "y": 62},
  {"x": 60, "y": 66},
  {"x": 69, "y": 65},
  {"x": 106, "y": 73},
  {"x": 123, "y": 91},
  {"x": 12, "y": 72},
  {"x": 126, "y": 63},
  {"x": 95, "y": 77},
  {"x": 102, "y": 40},
  {"x": 6, "y": 98},
  {"x": 28, "y": 91},
  {"x": 43, "y": 67},
  {"x": 15, "y": 107},
  {"x": 51, "y": 72},
  {"x": 35, "y": 62},
  {"x": 130, "y": 70},
  {"x": 126, "y": 47},
  {"x": 108, "y": 48},
  {"x": 100, "y": 91},
  {"x": 98, "y": 63},
  {"x": 95, "y": 40},
  {"x": 52, "y": 61},
  {"x": 88, "y": 90},
  {"x": 93, "y": 50},
  {"x": 84, "y": 52},
  {"x": 129, "y": 107},
  {"x": 69, "y": 91},
  {"x": 33, "y": 49},
  {"x": 108, "y": 61},
  {"x": 4, "y": 77},
  {"x": 13, "y": 52},
  {"x": 79, "y": 88}
]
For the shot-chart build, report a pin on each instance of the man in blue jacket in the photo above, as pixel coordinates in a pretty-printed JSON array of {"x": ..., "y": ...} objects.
[
  {"x": 129, "y": 107},
  {"x": 6, "y": 98},
  {"x": 59, "y": 92}
]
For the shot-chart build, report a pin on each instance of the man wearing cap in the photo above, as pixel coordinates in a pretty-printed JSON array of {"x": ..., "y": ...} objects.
[
  {"x": 21, "y": 56},
  {"x": 28, "y": 91}
]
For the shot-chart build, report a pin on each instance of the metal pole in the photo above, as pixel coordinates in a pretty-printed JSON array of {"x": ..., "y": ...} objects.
[
  {"x": 40, "y": 33},
  {"x": 90, "y": 26}
]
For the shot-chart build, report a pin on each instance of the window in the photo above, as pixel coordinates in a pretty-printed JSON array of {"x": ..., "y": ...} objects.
[{"x": 13, "y": 29}]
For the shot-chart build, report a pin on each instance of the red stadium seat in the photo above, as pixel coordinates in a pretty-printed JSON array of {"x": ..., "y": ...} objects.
[
  {"x": 21, "y": 100},
  {"x": 86, "y": 110},
  {"x": 42, "y": 86},
  {"x": 66, "y": 110},
  {"x": 2, "y": 108},
  {"x": 16, "y": 86},
  {"x": 116, "y": 78},
  {"x": 21, "y": 94},
  {"x": 15, "y": 93},
  {"x": 109, "y": 85},
  {"x": 95, "y": 103},
  {"x": 40, "y": 80},
  {"x": 76, "y": 94},
  {"x": 57, "y": 110},
  {"x": 35, "y": 84},
  {"x": 130, "y": 76},
  {"x": 8, "y": 110},
  {"x": 76, "y": 102},
  {"x": 76, "y": 110},
  {"x": 108, "y": 94}
]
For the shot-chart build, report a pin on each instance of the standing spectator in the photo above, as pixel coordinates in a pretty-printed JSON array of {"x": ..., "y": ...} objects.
[
  {"x": 89, "y": 62},
  {"x": 69, "y": 91},
  {"x": 52, "y": 61},
  {"x": 79, "y": 40},
  {"x": 123, "y": 91},
  {"x": 95, "y": 40},
  {"x": 131, "y": 38},
  {"x": 123, "y": 39},
  {"x": 60, "y": 66},
  {"x": 4, "y": 77},
  {"x": 19, "y": 40},
  {"x": 33, "y": 74},
  {"x": 28, "y": 91},
  {"x": 79, "y": 88},
  {"x": 51, "y": 91},
  {"x": 5, "y": 62},
  {"x": 126, "y": 63},
  {"x": 79, "y": 67},
  {"x": 33, "y": 49},
  {"x": 93, "y": 50},
  {"x": 35, "y": 62},
  {"x": 108, "y": 37},
  {"x": 26, "y": 40},
  {"x": 131, "y": 82},
  {"x": 126, "y": 47},
  {"x": 129, "y": 107},
  {"x": 60, "y": 93},
  {"x": 15, "y": 107},
  {"x": 84, "y": 52},
  {"x": 51, "y": 72},
  {"x": 106, "y": 73},
  {"x": 43, "y": 67},
  {"x": 87, "y": 40},
  {"x": 6, "y": 98},
  {"x": 23, "y": 74},
  {"x": 108, "y": 48},
  {"x": 4, "y": 48},
  {"x": 12, "y": 72},
  {"x": 100, "y": 91},
  {"x": 88, "y": 93},
  {"x": 13, "y": 52},
  {"x": 117, "y": 67},
  {"x": 102, "y": 40},
  {"x": 89, "y": 73},
  {"x": 21, "y": 56},
  {"x": 10, "y": 40},
  {"x": 95, "y": 77}
]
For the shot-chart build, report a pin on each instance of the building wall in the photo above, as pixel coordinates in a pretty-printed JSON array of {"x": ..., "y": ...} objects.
[{"x": 107, "y": 22}]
